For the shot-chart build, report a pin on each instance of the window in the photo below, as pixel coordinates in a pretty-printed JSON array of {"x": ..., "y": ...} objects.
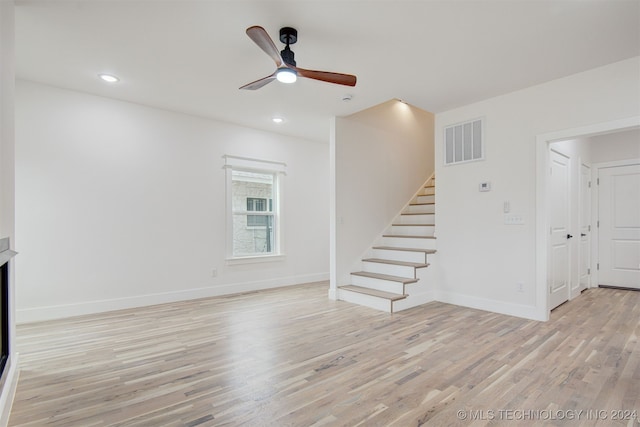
[
  {"x": 463, "y": 142},
  {"x": 260, "y": 205},
  {"x": 253, "y": 197}
]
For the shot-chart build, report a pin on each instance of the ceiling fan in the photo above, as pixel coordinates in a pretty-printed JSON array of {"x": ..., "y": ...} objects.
[{"x": 287, "y": 71}]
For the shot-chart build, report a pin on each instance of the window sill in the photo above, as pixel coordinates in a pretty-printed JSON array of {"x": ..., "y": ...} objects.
[{"x": 255, "y": 259}]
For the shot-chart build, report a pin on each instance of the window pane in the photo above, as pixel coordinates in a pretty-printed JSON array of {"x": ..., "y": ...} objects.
[
  {"x": 477, "y": 139},
  {"x": 255, "y": 239},
  {"x": 458, "y": 143},
  {"x": 254, "y": 186},
  {"x": 254, "y": 204},
  {"x": 449, "y": 145},
  {"x": 467, "y": 141}
]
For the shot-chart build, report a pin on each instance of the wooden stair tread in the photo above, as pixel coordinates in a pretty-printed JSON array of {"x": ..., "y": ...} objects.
[
  {"x": 380, "y": 294},
  {"x": 403, "y": 280},
  {"x": 413, "y": 225},
  {"x": 416, "y": 213},
  {"x": 410, "y": 237},
  {"x": 421, "y": 204},
  {"x": 401, "y": 263},
  {"x": 395, "y": 248}
]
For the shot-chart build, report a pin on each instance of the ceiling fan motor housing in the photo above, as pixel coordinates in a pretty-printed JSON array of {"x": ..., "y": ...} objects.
[{"x": 288, "y": 36}]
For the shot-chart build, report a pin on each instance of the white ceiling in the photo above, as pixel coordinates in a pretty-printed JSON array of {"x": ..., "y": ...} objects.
[{"x": 191, "y": 56}]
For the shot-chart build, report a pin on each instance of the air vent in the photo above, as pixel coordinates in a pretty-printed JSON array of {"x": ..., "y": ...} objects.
[{"x": 463, "y": 142}]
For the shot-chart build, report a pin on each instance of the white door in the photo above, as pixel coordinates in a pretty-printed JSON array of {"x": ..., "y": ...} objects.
[
  {"x": 559, "y": 250},
  {"x": 585, "y": 228},
  {"x": 619, "y": 226}
]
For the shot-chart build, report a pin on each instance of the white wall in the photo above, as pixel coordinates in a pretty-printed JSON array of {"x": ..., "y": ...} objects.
[
  {"x": 480, "y": 259},
  {"x": 9, "y": 378},
  {"x": 615, "y": 146},
  {"x": 382, "y": 157},
  {"x": 122, "y": 205}
]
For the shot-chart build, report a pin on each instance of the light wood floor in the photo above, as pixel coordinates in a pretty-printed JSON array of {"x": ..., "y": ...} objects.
[{"x": 292, "y": 357}]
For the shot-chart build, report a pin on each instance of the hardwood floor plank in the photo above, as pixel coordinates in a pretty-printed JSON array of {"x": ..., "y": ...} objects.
[{"x": 292, "y": 357}]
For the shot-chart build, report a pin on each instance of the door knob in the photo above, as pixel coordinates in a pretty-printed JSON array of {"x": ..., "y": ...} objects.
[
  {"x": 569, "y": 236},
  {"x": 582, "y": 235}
]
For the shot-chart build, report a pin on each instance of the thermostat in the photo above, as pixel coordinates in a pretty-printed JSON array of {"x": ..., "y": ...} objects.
[{"x": 485, "y": 186}]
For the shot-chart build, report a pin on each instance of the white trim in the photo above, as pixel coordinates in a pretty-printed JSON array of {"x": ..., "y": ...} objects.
[
  {"x": 414, "y": 300},
  {"x": 35, "y": 314},
  {"x": 255, "y": 259},
  {"x": 9, "y": 385},
  {"x": 582, "y": 164},
  {"x": 616, "y": 163},
  {"x": 542, "y": 183},
  {"x": 510, "y": 309},
  {"x": 254, "y": 164},
  {"x": 333, "y": 230}
]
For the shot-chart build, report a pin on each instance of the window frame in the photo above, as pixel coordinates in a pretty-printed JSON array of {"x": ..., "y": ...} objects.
[{"x": 277, "y": 170}]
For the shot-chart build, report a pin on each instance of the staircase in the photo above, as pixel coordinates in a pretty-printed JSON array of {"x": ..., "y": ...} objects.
[{"x": 394, "y": 266}]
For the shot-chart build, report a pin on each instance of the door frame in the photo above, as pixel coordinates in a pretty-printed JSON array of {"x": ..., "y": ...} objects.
[
  {"x": 543, "y": 190},
  {"x": 591, "y": 231}
]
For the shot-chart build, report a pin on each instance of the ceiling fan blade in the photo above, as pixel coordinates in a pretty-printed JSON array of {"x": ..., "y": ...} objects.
[
  {"x": 326, "y": 76},
  {"x": 264, "y": 42},
  {"x": 259, "y": 83}
]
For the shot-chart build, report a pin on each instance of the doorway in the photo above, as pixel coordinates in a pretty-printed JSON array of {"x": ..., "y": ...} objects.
[
  {"x": 619, "y": 225},
  {"x": 544, "y": 263}
]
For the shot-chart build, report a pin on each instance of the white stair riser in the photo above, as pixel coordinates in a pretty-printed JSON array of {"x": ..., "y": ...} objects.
[
  {"x": 426, "y": 199},
  {"x": 411, "y": 230},
  {"x": 405, "y": 256},
  {"x": 389, "y": 269},
  {"x": 365, "y": 300},
  {"x": 421, "y": 209},
  {"x": 428, "y": 191},
  {"x": 408, "y": 242},
  {"x": 416, "y": 219},
  {"x": 378, "y": 284}
]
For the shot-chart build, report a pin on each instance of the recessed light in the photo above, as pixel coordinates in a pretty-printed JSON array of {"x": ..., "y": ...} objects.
[
  {"x": 277, "y": 120},
  {"x": 109, "y": 78}
]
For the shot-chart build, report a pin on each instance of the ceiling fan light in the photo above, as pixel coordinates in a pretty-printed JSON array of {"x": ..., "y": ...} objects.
[{"x": 286, "y": 75}]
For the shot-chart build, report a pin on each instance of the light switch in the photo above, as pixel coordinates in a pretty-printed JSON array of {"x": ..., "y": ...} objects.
[{"x": 513, "y": 219}]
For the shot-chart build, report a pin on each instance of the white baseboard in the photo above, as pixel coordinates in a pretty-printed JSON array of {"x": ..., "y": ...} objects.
[
  {"x": 9, "y": 385},
  {"x": 517, "y": 310},
  {"x": 35, "y": 314},
  {"x": 414, "y": 300}
]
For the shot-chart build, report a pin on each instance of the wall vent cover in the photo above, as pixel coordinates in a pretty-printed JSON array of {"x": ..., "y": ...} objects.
[{"x": 463, "y": 142}]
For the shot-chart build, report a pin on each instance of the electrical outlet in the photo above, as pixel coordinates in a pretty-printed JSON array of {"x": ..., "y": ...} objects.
[
  {"x": 520, "y": 287},
  {"x": 214, "y": 273}
]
